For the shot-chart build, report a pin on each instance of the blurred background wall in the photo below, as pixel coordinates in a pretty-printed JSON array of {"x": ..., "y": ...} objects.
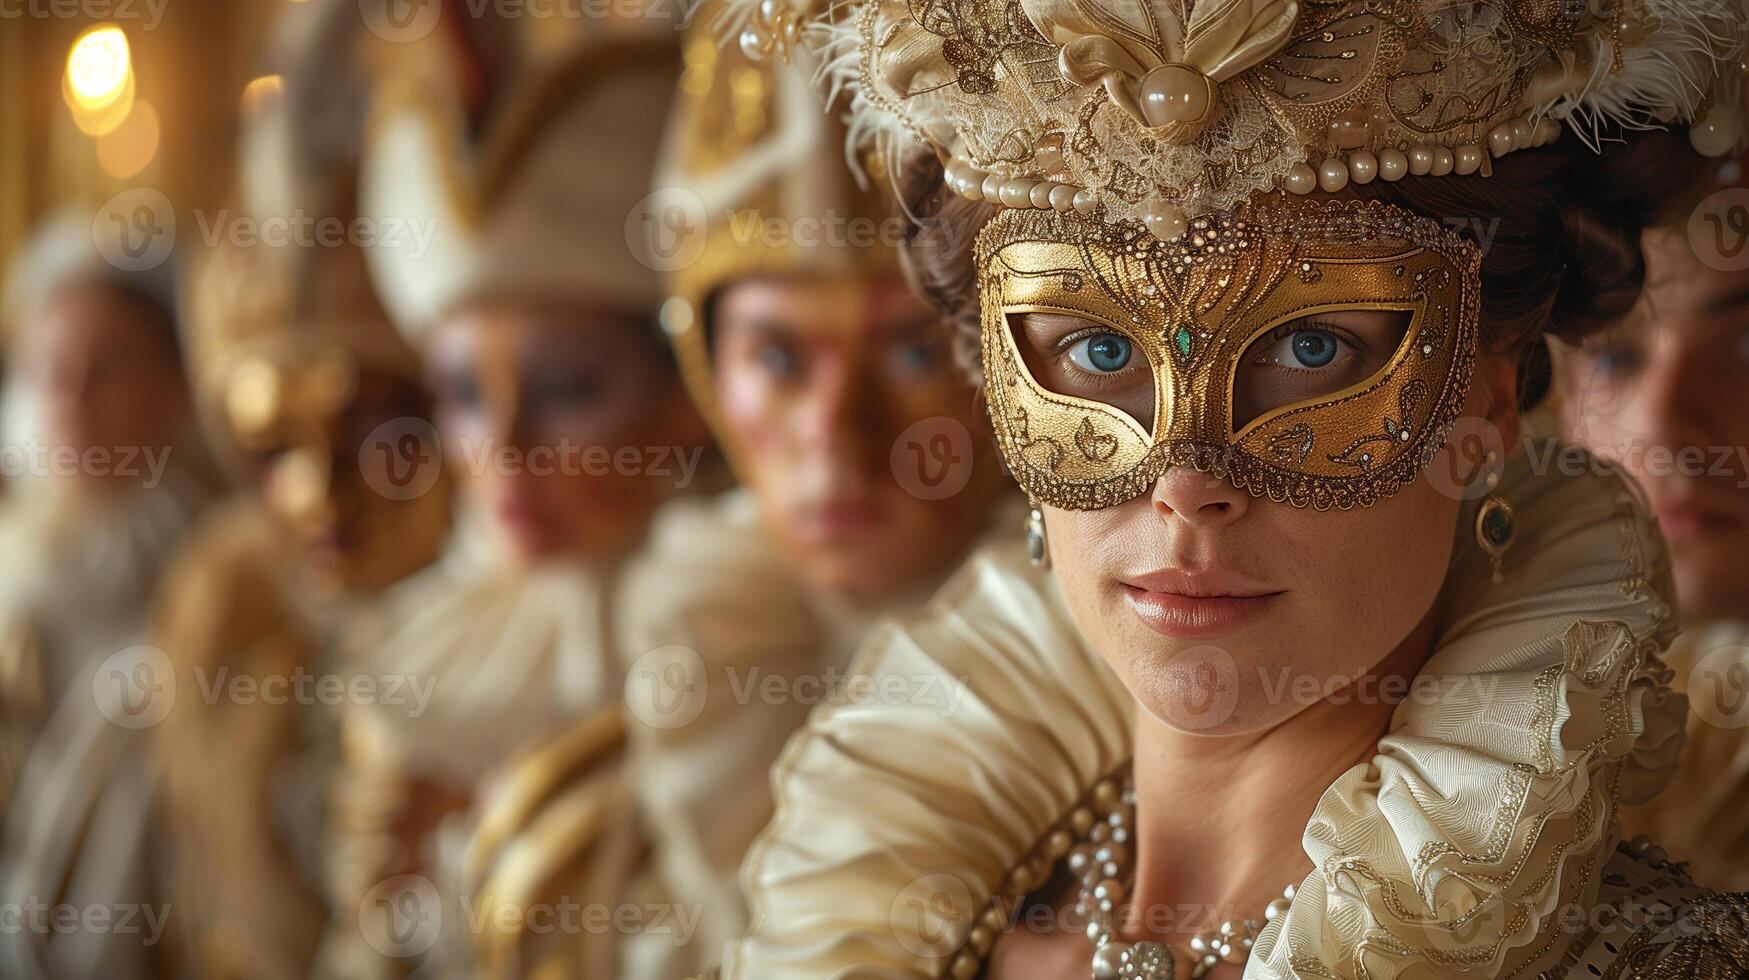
[{"x": 99, "y": 96}]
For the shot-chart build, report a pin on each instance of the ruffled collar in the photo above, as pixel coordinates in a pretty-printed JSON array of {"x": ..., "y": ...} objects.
[
  {"x": 1482, "y": 812},
  {"x": 484, "y": 659}
]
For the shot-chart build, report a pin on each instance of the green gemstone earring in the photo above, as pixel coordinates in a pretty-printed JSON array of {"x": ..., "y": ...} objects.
[
  {"x": 1037, "y": 548},
  {"x": 1496, "y": 529}
]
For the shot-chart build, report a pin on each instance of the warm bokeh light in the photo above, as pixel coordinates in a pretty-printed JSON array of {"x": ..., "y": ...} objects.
[
  {"x": 131, "y": 147},
  {"x": 97, "y": 121},
  {"x": 260, "y": 91},
  {"x": 99, "y": 68}
]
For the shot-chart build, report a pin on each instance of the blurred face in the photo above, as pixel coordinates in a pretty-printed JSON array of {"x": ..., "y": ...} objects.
[
  {"x": 109, "y": 377},
  {"x": 568, "y": 429},
  {"x": 1210, "y": 602},
  {"x": 820, "y": 383},
  {"x": 335, "y": 483},
  {"x": 1666, "y": 394}
]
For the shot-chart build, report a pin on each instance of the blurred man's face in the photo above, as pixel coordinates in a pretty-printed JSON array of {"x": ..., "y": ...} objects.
[
  {"x": 566, "y": 427},
  {"x": 109, "y": 378},
  {"x": 818, "y": 383},
  {"x": 1666, "y": 392}
]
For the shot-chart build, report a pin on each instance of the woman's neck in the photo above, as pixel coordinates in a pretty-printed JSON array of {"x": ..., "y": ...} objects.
[{"x": 1219, "y": 820}]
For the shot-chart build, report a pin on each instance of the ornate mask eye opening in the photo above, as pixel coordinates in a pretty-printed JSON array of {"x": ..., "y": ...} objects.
[
  {"x": 1073, "y": 355},
  {"x": 1314, "y": 358}
]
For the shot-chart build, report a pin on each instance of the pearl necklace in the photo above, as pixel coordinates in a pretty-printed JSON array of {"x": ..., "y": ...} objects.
[{"x": 1102, "y": 860}]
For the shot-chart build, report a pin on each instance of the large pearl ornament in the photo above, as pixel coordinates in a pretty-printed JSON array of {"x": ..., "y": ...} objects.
[
  {"x": 1467, "y": 160},
  {"x": 1716, "y": 133},
  {"x": 1501, "y": 140},
  {"x": 971, "y": 186},
  {"x": 1107, "y": 960},
  {"x": 1421, "y": 161},
  {"x": 1332, "y": 175},
  {"x": 1302, "y": 179},
  {"x": 1443, "y": 161},
  {"x": 757, "y": 44},
  {"x": 1165, "y": 222},
  {"x": 1048, "y": 154},
  {"x": 1393, "y": 164},
  {"x": 1363, "y": 167},
  {"x": 1179, "y": 99}
]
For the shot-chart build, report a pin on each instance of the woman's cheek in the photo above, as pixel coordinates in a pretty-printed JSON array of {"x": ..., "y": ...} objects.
[{"x": 750, "y": 411}]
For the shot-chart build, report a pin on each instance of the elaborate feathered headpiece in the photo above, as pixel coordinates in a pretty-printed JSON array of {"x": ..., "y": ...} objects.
[{"x": 1158, "y": 111}]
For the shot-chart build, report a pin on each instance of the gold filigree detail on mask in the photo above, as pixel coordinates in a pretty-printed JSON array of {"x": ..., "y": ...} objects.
[{"x": 1194, "y": 308}]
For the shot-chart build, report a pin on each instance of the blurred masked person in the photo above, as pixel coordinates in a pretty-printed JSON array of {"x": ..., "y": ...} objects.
[
  {"x": 560, "y": 410},
  {"x": 106, "y": 473},
  {"x": 312, "y": 392},
  {"x": 1665, "y": 395},
  {"x": 831, "y": 388}
]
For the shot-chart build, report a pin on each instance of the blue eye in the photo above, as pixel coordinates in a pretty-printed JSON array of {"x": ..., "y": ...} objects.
[
  {"x": 1302, "y": 349},
  {"x": 1101, "y": 353},
  {"x": 779, "y": 361},
  {"x": 1314, "y": 348}
]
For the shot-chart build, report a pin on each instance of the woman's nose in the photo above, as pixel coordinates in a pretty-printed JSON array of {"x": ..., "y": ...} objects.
[{"x": 1198, "y": 498}]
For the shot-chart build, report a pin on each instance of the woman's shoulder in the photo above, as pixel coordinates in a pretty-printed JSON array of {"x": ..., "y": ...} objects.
[
  {"x": 711, "y": 579},
  {"x": 1653, "y": 920},
  {"x": 967, "y": 730}
]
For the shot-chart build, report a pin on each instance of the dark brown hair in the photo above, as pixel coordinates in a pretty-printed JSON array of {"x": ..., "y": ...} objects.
[{"x": 1560, "y": 227}]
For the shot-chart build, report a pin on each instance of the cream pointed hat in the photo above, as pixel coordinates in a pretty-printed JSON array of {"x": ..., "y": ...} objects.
[{"x": 519, "y": 146}]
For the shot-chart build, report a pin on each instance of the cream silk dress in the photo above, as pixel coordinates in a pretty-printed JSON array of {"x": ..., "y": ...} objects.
[
  {"x": 725, "y": 652},
  {"x": 479, "y": 661},
  {"x": 77, "y": 790},
  {"x": 1704, "y": 815},
  {"x": 1481, "y": 815}
]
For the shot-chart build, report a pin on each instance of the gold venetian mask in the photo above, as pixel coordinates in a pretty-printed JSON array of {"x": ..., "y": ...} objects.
[
  {"x": 1211, "y": 315},
  {"x": 342, "y": 466}
]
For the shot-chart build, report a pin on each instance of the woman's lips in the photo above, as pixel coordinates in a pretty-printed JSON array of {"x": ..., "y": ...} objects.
[
  {"x": 1693, "y": 518},
  {"x": 1197, "y": 605},
  {"x": 836, "y": 520}
]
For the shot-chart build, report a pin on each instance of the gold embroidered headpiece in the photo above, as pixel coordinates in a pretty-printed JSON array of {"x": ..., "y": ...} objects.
[
  {"x": 1158, "y": 111},
  {"x": 752, "y": 183}
]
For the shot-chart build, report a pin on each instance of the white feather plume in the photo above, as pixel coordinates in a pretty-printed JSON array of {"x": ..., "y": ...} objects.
[{"x": 1665, "y": 79}]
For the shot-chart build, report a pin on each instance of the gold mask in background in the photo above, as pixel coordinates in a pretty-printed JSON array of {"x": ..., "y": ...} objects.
[{"x": 1194, "y": 308}]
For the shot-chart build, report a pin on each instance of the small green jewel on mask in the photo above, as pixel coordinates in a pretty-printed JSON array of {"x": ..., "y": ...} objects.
[{"x": 1184, "y": 338}]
